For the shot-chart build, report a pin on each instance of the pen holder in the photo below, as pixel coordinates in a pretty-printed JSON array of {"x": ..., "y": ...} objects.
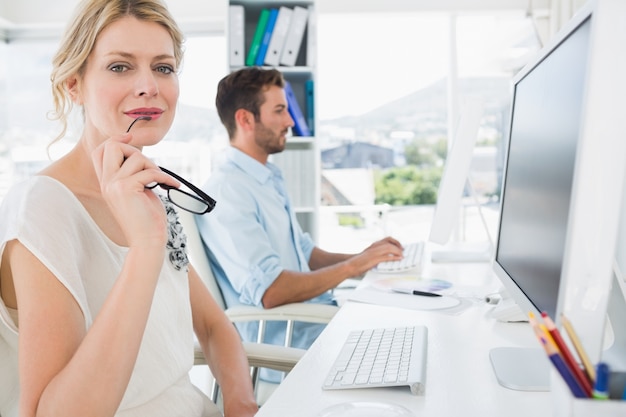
[{"x": 566, "y": 405}]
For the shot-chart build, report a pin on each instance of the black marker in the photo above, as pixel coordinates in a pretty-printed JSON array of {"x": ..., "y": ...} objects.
[{"x": 416, "y": 292}]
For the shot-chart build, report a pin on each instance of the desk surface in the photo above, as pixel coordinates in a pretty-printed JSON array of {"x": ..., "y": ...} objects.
[{"x": 459, "y": 381}]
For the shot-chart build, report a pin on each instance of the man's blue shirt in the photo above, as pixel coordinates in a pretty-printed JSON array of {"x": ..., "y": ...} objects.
[{"x": 251, "y": 236}]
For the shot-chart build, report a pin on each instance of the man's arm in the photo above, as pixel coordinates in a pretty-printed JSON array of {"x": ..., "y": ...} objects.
[
  {"x": 329, "y": 270},
  {"x": 321, "y": 258}
]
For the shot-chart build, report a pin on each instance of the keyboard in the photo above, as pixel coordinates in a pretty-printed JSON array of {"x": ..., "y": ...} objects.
[
  {"x": 412, "y": 252},
  {"x": 382, "y": 357}
]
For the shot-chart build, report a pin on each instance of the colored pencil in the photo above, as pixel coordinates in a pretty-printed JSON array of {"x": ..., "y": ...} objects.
[
  {"x": 557, "y": 360},
  {"x": 565, "y": 352},
  {"x": 589, "y": 368}
]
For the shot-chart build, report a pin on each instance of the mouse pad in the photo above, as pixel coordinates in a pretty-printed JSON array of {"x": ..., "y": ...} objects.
[
  {"x": 366, "y": 409},
  {"x": 411, "y": 283},
  {"x": 372, "y": 295}
]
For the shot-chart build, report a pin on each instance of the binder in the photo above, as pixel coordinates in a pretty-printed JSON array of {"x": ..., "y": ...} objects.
[
  {"x": 300, "y": 127},
  {"x": 236, "y": 33},
  {"x": 279, "y": 35},
  {"x": 258, "y": 37},
  {"x": 310, "y": 105},
  {"x": 311, "y": 38},
  {"x": 265, "y": 41},
  {"x": 294, "y": 36}
]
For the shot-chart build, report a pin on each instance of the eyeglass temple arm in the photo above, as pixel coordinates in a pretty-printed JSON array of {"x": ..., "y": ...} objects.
[{"x": 195, "y": 189}]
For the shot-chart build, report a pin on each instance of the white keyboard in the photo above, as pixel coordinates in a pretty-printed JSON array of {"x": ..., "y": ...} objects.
[
  {"x": 412, "y": 259},
  {"x": 381, "y": 358}
]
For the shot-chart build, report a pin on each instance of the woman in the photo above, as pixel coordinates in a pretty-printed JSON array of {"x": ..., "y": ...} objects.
[{"x": 105, "y": 319}]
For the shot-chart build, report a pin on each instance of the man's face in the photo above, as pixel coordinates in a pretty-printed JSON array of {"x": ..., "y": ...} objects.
[{"x": 274, "y": 121}]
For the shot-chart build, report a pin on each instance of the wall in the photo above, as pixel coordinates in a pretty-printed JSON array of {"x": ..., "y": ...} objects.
[
  {"x": 56, "y": 12},
  {"x": 45, "y": 12}
]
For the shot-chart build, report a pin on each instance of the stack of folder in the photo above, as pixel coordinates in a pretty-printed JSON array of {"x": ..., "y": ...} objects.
[
  {"x": 277, "y": 41},
  {"x": 277, "y": 38}
]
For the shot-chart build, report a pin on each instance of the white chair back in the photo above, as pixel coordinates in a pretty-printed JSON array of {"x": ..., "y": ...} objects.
[{"x": 198, "y": 257}]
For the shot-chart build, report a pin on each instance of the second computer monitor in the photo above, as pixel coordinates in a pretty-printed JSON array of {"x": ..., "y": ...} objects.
[{"x": 535, "y": 201}]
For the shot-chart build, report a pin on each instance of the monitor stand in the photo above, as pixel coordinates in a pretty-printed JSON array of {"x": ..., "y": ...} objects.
[
  {"x": 521, "y": 369},
  {"x": 464, "y": 252}
]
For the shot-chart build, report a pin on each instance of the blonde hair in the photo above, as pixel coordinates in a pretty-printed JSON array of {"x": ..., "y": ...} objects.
[{"x": 90, "y": 18}]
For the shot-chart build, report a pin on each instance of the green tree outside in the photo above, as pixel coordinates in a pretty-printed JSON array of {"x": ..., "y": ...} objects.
[{"x": 407, "y": 185}]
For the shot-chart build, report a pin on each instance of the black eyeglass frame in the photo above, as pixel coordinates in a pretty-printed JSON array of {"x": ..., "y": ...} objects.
[{"x": 201, "y": 195}]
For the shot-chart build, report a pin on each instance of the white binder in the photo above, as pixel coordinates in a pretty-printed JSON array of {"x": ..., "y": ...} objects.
[
  {"x": 311, "y": 38},
  {"x": 294, "y": 36},
  {"x": 236, "y": 35},
  {"x": 279, "y": 35}
]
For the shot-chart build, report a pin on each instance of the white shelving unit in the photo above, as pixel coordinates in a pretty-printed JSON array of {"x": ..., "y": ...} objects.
[{"x": 300, "y": 161}]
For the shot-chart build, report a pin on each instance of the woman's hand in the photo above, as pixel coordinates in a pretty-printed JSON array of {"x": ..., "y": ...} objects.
[{"x": 124, "y": 172}]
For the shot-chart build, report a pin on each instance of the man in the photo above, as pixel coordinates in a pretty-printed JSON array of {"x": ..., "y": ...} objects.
[{"x": 258, "y": 252}]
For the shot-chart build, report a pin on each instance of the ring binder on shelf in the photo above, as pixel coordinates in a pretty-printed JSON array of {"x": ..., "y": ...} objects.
[
  {"x": 236, "y": 35},
  {"x": 300, "y": 127},
  {"x": 279, "y": 35},
  {"x": 258, "y": 37},
  {"x": 294, "y": 36},
  {"x": 267, "y": 35}
]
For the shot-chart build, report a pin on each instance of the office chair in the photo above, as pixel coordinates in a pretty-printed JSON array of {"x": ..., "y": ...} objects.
[{"x": 260, "y": 355}]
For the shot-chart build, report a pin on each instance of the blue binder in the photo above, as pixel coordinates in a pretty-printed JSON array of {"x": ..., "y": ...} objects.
[
  {"x": 300, "y": 127},
  {"x": 310, "y": 105},
  {"x": 265, "y": 42}
]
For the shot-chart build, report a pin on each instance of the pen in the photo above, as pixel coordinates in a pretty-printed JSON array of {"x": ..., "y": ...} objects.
[
  {"x": 556, "y": 359},
  {"x": 567, "y": 325},
  {"x": 601, "y": 388},
  {"x": 416, "y": 292},
  {"x": 580, "y": 376}
]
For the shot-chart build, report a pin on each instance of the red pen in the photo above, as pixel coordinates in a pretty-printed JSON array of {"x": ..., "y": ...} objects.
[{"x": 567, "y": 355}]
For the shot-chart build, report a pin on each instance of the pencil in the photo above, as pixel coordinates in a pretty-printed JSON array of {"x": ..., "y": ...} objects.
[
  {"x": 558, "y": 362},
  {"x": 565, "y": 352},
  {"x": 589, "y": 369}
]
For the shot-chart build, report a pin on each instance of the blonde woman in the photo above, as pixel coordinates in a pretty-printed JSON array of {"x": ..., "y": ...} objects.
[{"x": 98, "y": 305}]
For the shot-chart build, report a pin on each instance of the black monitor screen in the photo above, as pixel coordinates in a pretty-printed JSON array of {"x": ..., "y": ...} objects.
[{"x": 544, "y": 132}]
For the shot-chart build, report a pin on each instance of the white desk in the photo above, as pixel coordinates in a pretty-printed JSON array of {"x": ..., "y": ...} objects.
[{"x": 459, "y": 382}]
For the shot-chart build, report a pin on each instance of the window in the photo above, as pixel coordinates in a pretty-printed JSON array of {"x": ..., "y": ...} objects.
[
  {"x": 384, "y": 84},
  {"x": 24, "y": 129}
]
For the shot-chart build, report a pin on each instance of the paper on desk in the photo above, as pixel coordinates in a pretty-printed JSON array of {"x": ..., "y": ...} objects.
[{"x": 372, "y": 295}]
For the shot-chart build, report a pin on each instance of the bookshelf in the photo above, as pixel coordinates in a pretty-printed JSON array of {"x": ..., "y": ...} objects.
[{"x": 300, "y": 161}]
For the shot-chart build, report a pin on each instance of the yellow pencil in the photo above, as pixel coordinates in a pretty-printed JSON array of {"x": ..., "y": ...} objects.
[
  {"x": 555, "y": 357},
  {"x": 589, "y": 369}
]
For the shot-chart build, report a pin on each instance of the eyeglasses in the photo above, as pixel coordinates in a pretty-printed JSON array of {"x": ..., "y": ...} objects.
[{"x": 198, "y": 203}]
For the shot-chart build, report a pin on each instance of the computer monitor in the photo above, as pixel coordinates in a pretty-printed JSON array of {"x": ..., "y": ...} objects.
[
  {"x": 552, "y": 152},
  {"x": 546, "y": 108},
  {"x": 543, "y": 135},
  {"x": 454, "y": 181}
]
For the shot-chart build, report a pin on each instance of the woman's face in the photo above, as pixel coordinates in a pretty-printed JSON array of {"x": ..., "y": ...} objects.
[{"x": 130, "y": 73}]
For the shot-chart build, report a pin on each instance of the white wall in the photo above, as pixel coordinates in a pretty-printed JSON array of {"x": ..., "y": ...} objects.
[
  {"x": 57, "y": 11},
  {"x": 18, "y": 18}
]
